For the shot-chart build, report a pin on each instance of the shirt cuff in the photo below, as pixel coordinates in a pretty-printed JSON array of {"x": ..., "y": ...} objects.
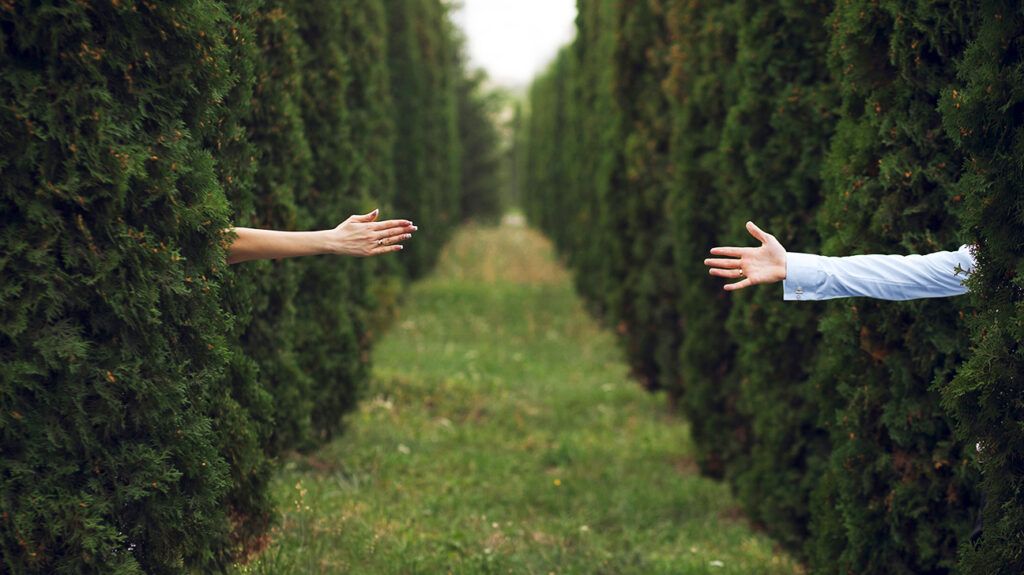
[{"x": 804, "y": 277}]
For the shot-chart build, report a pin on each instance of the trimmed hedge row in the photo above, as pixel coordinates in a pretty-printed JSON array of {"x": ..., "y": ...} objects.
[
  {"x": 147, "y": 388},
  {"x": 847, "y": 429},
  {"x": 983, "y": 113}
]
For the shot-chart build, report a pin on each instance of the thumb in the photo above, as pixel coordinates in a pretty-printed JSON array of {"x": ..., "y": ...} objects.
[
  {"x": 366, "y": 218},
  {"x": 757, "y": 232}
]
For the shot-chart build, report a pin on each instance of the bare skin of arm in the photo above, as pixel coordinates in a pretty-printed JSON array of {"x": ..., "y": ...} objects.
[
  {"x": 359, "y": 236},
  {"x": 752, "y": 266}
]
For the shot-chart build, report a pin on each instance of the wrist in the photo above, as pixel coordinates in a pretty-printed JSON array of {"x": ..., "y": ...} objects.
[{"x": 326, "y": 242}]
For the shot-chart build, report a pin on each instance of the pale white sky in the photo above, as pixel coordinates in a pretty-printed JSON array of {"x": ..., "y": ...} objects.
[{"x": 515, "y": 39}]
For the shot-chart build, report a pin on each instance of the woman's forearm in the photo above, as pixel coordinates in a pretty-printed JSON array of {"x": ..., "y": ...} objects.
[
  {"x": 358, "y": 236},
  {"x": 252, "y": 244}
]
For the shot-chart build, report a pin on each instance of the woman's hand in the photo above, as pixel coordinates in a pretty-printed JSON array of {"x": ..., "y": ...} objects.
[
  {"x": 752, "y": 266},
  {"x": 364, "y": 236}
]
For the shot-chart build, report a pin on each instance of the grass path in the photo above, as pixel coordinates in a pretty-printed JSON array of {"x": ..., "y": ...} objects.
[{"x": 503, "y": 435}]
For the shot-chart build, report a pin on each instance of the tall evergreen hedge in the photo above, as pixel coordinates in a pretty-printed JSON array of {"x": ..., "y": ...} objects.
[
  {"x": 244, "y": 413},
  {"x": 595, "y": 253},
  {"x": 549, "y": 166},
  {"x": 147, "y": 388},
  {"x": 643, "y": 300},
  {"x": 983, "y": 113},
  {"x": 847, "y": 429},
  {"x": 113, "y": 340},
  {"x": 333, "y": 299},
  {"x": 898, "y": 493},
  {"x": 702, "y": 87},
  {"x": 480, "y": 175},
  {"x": 424, "y": 57},
  {"x": 773, "y": 142},
  {"x": 283, "y": 177}
]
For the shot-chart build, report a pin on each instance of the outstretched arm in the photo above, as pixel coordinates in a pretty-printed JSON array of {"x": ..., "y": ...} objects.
[
  {"x": 359, "y": 236},
  {"x": 814, "y": 277}
]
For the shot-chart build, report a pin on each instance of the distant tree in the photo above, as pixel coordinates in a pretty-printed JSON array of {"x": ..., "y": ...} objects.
[{"x": 481, "y": 146}]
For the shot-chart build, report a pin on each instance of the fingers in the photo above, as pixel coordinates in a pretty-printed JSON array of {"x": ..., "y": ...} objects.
[
  {"x": 395, "y": 239},
  {"x": 386, "y": 249},
  {"x": 728, "y": 274},
  {"x": 757, "y": 232},
  {"x": 732, "y": 252},
  {"x": 392, "y": 232},
  {"x": 366, "y": 218},
  {"x": 724, "y": 264},
  {"x": 388, "y": 224},
  {"x": 739, "y": 285}
]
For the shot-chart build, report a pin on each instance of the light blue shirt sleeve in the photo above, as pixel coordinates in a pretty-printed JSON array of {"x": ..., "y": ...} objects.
[{"x": 811, "y": 277}]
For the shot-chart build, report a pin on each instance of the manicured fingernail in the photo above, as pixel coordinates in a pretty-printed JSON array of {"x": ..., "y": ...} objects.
[
  {"x": 400, "y": 248},
  {"x": 414, "y": 228}
]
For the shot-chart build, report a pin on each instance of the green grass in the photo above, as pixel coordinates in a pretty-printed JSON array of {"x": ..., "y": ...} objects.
[{"x": 503, "y": 434}]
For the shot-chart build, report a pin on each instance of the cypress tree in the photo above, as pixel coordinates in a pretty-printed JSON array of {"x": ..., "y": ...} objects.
[
  {"x": 243, "y": 410},
  {"x": 597, "y": 253},
  {"x": 332, "y": 294},
  {"x": 983, "y": 113},
  {"x": 283, "y": 175},
  {"x": 371, "y": 117},
  {"x": 701, "y": 86},
  {"x": 112, "y": 336},
  {"x": 773, "y": 142},
  {"x": 481, "y": 147},
  {"x": 779, "y": 409},
  {"x": 408, "y": 80},
  {"x": 643, "y": 296},
  {"x": 898, "y": 492},
  {"x": 542, "y": 147},
  {"x": 423, "y": 61},
  {"x": 554, "y": 161}
]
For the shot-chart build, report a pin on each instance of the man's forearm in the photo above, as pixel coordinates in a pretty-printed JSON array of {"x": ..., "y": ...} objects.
[
  {"x": 887, "y": 277},
  {"x": 253, "y": 244}
]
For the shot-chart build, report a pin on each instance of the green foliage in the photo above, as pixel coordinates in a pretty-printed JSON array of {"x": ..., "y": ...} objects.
[
  {"x": 984, "y": 114},
  {"x": 550, "y": 159},
  {"x": 371, "y": 120},
  {"x": 643, "y": 301},
  {"x": 702, "y": 86},
  {"x": 283, "y": 176},
  {"x": 772, "y": 143},
  {"x": 566, "y": 155},
  {"x": 482, "y": 148},
  {"x": 146, "y": 387},
  {"x": 820, "y": 121},
  {"x": 112, "y": 339},
  {"x": 243, "y": 410},
  {"x": 590, "y": 214},
  {"x": 333, "y": 300},
  {"x": 901, "y": 492},
  {"x": 424, "y": 64}
]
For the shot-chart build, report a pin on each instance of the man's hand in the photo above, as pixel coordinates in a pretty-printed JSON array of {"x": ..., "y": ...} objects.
[
  {"x": 363, "y": 236},
  {"x": 752, "y": 266}
]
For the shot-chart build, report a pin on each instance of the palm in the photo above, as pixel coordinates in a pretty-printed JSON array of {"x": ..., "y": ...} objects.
[{"x": 751, "y": 266}]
